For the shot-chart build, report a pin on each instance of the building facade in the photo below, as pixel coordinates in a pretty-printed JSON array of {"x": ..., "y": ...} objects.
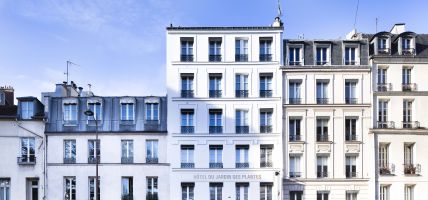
[
  {"x": 22, "y": 147},
  {"x": 399, "y": 136},
  {"x": 130, "y": 151},
  {"x": 327, "y": 116},
  {"x": 224, "y": 112}
]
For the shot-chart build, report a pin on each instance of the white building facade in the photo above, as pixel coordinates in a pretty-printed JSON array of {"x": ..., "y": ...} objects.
[
  {"x": 224, "y": 112},
  {"x": 399, "y": 135}
]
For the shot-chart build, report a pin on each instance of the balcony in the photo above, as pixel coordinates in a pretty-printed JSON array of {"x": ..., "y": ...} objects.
[
  {"x": 127, "y": 160},
  {"x": 265, "y": 57},
  {"x": 187, "y": 165},
  {"x": 69, "y": 160},
  {"x": 411, "y": 124},
  {"x": 386, "y": 169},
  {"x": 351, "y": 137},
  {"x": 242, "y": 129},
  {"x": 186, "y": 58},
  {"x": 412, "y": 169},
  {"x": 385, "y": 124},
  {"x": 93, "y": 160},
  {"x": 266, "y": 129},
  {"x": 241, "y": 58},
  {"x": 294, "y": 138},
  {"x": 322, "y": 100},
  {"x": 350, "y": 174},
  {"x": 187, "y": 94},
  {"x": 322, "y": 174},
  {"x": 408, "y": 52},
  {"x": 408, "y": 87},
  {"x": 241, "y": 93},
  {"x": 384, "y": 87},
  {"x": 266, "y": 164},
  {"x": 216, "y": 165},
  {"x": 294, "y": 63},
  {"x": 351, "y": 100},
  {"x": 127, "y": 197},
  {"x": 215, "y": 58},
  {"x": 152, "y": 160},
  {"x": 26, "y": 160},
  {"x": 383, "y": 51},
  {"x": 322, "y": 138},
  {"x": 187, "y": 129},
  {"x": 295, "y": 174},
  {"x": 294, "y": 100},
  {"x": 242, "y": 165},
  {"x": 265, "y": 93},
  {"x": 152, "y": 196},
  {"x": 216, "y": 129},
  {"x": 350, "y": 62},
  {"x": 215, "y": 93}
]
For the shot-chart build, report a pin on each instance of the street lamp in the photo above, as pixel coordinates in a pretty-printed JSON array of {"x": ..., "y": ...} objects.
[{"x": 90, "y": 113}]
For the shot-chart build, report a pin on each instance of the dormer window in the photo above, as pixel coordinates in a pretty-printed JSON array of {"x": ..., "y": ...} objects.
[
  {"x": 70, "y": 112},
  {"x": 96, "y": 108},
  {"x": 322, "y": 55},
  {"x": 351, "y": 55},
  {"x": 295, "y": 55},
  {"x": 407, "y": 47},
  {"x": 383, "y": 45},
  {"x": 27, "y": 109}
]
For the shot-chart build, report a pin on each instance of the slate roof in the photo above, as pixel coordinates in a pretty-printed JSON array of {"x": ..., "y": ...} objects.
[{"x": 421, "y": 44}]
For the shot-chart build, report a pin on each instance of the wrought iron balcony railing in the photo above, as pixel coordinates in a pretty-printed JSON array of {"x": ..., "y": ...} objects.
[
  {"x": 93, "y": 160},
  {"x": 350, "y": 174},
  {"x": 265, "y": 93},
  {"x": 216, "y": 165},
  {"x": 216, "y": 129},
  {"x": 215, "y": 58},
  {"x": 242, "y": 129},
  {"x": 322, "y": 138},
  {"x": 351, "y": 137},
  {"x": 127, "y": 160},
  {"x": 26, "y": 160},
  {"x": 384, "y": 87},
  {"x": 266, "y": 164},
  {"x": 295, "y": 174},
  {"x": 350, "y": 62},
  {"x": 412, "y": 169},
  {"x": 294, "y": 138},
  {"x": 411, "y": 124},
  {"x": 69, "y": 160},
  {"x": 187, "y": 94},
  {"x": 322, "y": 100},
  {"x": 408, "y": 51},
  {"x": 383, "y": 51},
  {"x": 294, "y": 63},
  {"x": 186, "y": 58},
  {"x": 386, "y": 169},
  {"x": 188, "y": 165},
  {"x": 351, "y": 100},
  {"x": 215, "y": 93},
  {"x": 294, "y": 100},
  {"x": 187, "y": 129},
  {"x": 322, "y": 174},
  {"x": 241, "y": 93},
  {"x": 241, "y": 58},
  {"x": 385, "y": 124},
  {"x": 242, "y": 165},
  {"x": 266, "y": 129},
  {"x": 408, "y": 87},
  {"x": 152, "y": 160},
  {"x": 321, "y": 62},
  {"x": 265, "y": 57}
]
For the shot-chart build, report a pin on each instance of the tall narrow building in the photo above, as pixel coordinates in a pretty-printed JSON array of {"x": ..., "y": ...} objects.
[
  {"x": 327, "y": 116},
  {"x": 225, "y": 112}
]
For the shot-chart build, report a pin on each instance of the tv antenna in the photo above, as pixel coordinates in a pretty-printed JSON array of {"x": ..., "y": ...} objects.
[
  {"x": 356, "y": 13},
  {"x": 69, "y": 63},
  {"x": 279, "y": 9}
]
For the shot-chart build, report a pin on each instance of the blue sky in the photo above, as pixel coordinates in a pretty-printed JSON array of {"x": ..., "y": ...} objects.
[{"x": 120, "y": 45}]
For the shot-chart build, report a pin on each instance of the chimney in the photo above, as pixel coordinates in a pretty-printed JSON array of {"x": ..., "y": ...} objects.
[
  {"x": 7, "y": 96},
  {"x": 277, "y": 22},
  {"x": 80, "y": 91},
  {"x": 398, "y": 28}
]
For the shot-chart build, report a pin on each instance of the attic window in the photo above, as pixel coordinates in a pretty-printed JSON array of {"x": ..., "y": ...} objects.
[
  {"x": 407, "y": 47},
  {"x": 27, "y": 109},
  {"x": 383, "y": 45}
]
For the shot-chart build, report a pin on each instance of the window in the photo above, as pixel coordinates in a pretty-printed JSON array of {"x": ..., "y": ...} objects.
[
  {"x": 187, "y": 86},
  {"x": 409, "y": 192},
  {"x": 322, "y": 195},
  {"x": 127, "y": 111},
  {"x": 187, "y": 191},
  {"x": 215, "y": 121},
  {"x": 381, "y": 76},
  {"x": 294, "y": 129},
  {"x": 186, "y": 50},
  {"x": 351, "y": 168},
  {"x": 92, "y": 190},
  {"x": 351, "y": 195},
  {"x": 28, "y": 150},
  {"x": 383, "y": 114},
  {"x": 407, "y": 113},
  {"x": 241, "y": 121},
  {"x": 70, "y": 188},
  {"x": 384, "y": 167},
  {"x": 294, "y": 91},
  {"x": 350, "y": 92},
  {"x": 321, "y": 55},
  {"x": 216, "y": 191},
  {"x": 127, "y": 188},
  {"x": 322, "y": 87},
  {"x": 187, "y": 152},
  {"x": 266, "y": 156},
  {"x": 406, "y": 45},
  {"x": 350, "y": 128},
  {"x": 383, "y": 45},
  {"x": 152, "y": 151},
  {"x": 350, "y": 55},
  {"x": 296, "y": 195},
  {"x": 242, "y": 191},
  {"x": 322, "y": 129},
  {"x": 266, "y": 191},
  {"x": 27, "y": 109},
  {"x": 322, "y": 166},
  {"x": 215, "y": 85},
  {"x": 215, "y": 49},
  {"x": 152, "y": 187},
  {"x": 295, "y": 166},
  {"x": 294, "y": 57},
  {"x": 242, "y": 156},
  {"x": 407, "y": 79},
  {"x": 70, "y": 114},
  {"x": 4, "y": 188},
  {"x": 241, "y": 85},
  {"x": 266, "y": 121},
  {"x": 408, "y": 154},
  {"x": 384, "y": 192},
  {"x": 187, "y": 117},
  {"x": 152, "y": 111},
  {"x": 266, "y": 85},
  {"x": 69, "y": 151},
  {"x": 94, "y": 151},
  {"x": 241, "y": 50},
  {"x": 127, "y": 151},
  {"x": 265, "y": 49},
  {"x": 96, "y": 108},
  {"x": 32, "y": 188},
  {"x": 216, "y": 156}
]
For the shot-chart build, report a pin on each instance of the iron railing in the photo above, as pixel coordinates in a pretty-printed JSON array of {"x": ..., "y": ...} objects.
[
  {"x": 242, "y": 129},
  {"x": 386, "y": 169},
  {"x": 294, "y": 138},
  {"x": 294, "y": 63},
  {"x": 294, "y": 100},
  {"x": 187, "y": 129},
  {"x": 266, "y": 129},
  {"x": 322, "y": 138},
  {"x": 412, "y": 169},
  {"x": 215, "y": 58},
  {"x": 265, "y": 93},
  {"x": 411, "y": 124},
  {"x": 384, "y": 87},
  {"x": 241, "y": 93},
  {"x": 152, "y": 160},
  {"x": 322, "y": 174},
  {"x": 242, "y": 165},
  {"x": 408, "y": 51},
  {"x": 26, "y": 160},
  {"x": 186, "y": 58},
  {"x": 384, "y": 51},
  {"x": 187, "y": 94},
  {"x": 266, "y": 164},
  {"x": 241, "y": 57},
  {"x": 351, "y": 100},
  {"x": 408, "y": 87},
  {"x": 216, "y": 129},
  {"x": 295, "y": 174},
  {"x": 188, "y": 165},
  {"x": 322, "y": 100},
  {"x": 127, "y": 160},
  {"x": 215, "y": 93},
  {"x": 69, "y": 160},
  {"x": 385, "y": 124},
  {"x": 93, "y": 160},
  {"x": 216, "y": 165},
  {"x": 350, "y": 137},
  {"x": 265, "y": 57}
]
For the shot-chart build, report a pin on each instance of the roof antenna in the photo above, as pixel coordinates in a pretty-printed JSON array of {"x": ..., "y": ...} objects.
[
  {"x": 356, "y": 14},
  {"x": 69, "y": 63},
  {"x": 279, "y": 10},
  {"x": 376, "y": 25}
]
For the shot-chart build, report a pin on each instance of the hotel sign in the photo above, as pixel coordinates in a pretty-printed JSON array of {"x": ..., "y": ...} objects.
[{"x": 225, "y": 177}]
